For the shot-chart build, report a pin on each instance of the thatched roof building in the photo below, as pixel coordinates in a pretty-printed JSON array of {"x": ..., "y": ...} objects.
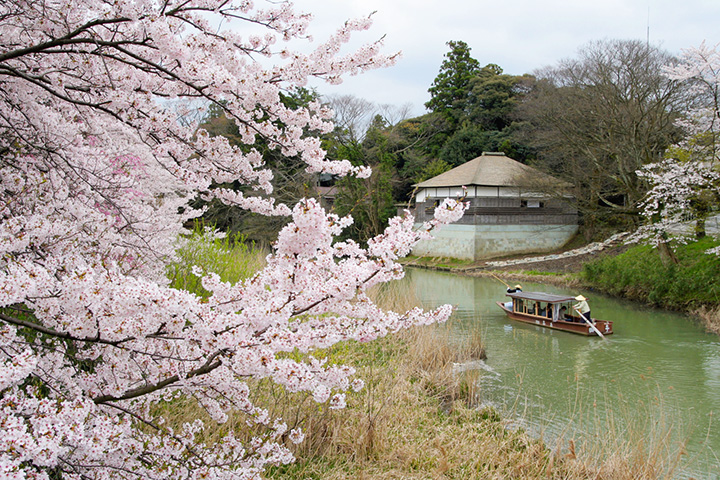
[
  {"x": 491, "y": 169},
  {"x": 514, "y": 208}
]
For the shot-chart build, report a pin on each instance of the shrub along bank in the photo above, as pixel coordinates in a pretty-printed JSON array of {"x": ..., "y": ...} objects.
[{"x": 692, "y": 284}]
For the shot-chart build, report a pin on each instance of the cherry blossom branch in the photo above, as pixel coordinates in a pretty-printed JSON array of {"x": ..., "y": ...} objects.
[
  {"x": 68, "y": 39},
  {"x": 96, "y": 179},
  {"x": 63, "y": 335},
  {"x": 210, "y": 365}
]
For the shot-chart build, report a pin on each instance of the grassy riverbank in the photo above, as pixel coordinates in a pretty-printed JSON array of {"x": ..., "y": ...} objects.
[
  {"x": 640, "y": 274},
  {"x": 419, "y": 415}
]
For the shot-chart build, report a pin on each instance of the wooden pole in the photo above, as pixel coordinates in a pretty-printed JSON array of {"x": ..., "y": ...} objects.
[
  {"x": 507, "y": 285},
  {"x": 590, "y": 323}
]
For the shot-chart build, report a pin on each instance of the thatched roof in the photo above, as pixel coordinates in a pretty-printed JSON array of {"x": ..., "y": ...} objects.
[{"x": 492, "y": 169}]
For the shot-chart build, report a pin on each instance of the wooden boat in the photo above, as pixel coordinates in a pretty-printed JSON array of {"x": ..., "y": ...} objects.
[{"x": 546, "y": 310}]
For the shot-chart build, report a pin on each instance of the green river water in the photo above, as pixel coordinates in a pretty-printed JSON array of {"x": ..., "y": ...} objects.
[{"x": 655, "y": 382}]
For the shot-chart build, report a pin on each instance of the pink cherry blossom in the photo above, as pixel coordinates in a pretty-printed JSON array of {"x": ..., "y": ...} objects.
[
  {"x": 98, "y": 173},
  {"x": 677, "y": 183}
]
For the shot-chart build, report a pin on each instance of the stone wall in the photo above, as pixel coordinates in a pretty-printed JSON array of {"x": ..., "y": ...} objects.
[
  {"x": 477, "y": 242},
  {"x": 452, "y": 241},
  {"x": 506, "y": 224}
]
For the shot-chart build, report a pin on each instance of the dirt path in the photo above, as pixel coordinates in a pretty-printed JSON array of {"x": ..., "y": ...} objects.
[{"x": 567, "y": 262}]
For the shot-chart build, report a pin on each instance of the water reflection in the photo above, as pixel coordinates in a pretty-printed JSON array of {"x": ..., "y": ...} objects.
[{"x": 658, "y": 368}]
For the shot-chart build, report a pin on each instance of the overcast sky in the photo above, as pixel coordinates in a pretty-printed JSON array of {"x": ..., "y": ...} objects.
[{"x": 518, "y": 35}]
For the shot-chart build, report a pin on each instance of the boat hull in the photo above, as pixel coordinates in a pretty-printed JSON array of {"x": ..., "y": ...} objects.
[{"x": 579, "y": 327}]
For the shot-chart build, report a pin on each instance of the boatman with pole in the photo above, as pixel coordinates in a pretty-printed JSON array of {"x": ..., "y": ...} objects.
[
  {"x": 583, "y": 308},
  {"x": 515, "y": 289}
]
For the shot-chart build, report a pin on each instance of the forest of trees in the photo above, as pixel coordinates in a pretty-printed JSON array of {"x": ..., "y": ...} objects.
[{"x": 593, "y": 121}]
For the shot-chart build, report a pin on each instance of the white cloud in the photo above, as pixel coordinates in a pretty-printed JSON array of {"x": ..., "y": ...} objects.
[{"x": 520, "y": 36}]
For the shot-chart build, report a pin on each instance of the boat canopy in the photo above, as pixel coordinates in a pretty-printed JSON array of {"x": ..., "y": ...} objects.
[{"x": 541, "y": 297}]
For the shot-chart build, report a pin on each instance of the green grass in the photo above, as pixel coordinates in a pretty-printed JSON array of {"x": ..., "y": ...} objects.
[
  {"x": 640, "y": 274},
  {"x": 439, "y": 262},
  {"x": 541, "y": 273},
  {"x": 230, "y": 257}
]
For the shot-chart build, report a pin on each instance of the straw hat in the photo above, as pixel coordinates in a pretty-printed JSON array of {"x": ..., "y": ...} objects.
[
  {"x": 580, "y": 298},
  {"x": 517, "y": 286}
]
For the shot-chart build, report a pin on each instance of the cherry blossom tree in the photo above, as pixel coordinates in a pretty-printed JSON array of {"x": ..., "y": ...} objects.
[
  {"x": 686, "y": 185},
  {"x": 97, "y": 175}
]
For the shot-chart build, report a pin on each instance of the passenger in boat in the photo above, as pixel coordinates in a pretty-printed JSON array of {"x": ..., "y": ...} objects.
[
  {"x": 561, "y": 314},
  {"x": 516, "y": 288},
  {"x": 583, "y": 307}
]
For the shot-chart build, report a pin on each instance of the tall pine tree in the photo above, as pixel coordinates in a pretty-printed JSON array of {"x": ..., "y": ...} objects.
[{"x": 450, "y": 91}]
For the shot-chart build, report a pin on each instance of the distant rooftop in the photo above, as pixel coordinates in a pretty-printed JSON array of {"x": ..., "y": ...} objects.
[{"x": 493, "y": 169}]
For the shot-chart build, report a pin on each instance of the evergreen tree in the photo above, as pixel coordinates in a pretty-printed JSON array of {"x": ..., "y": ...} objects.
[
  {"x": 494, "y": 96},
  {"x": 450, "y": 91},
  {"x": 290, "y": 182},
  {"x": 369, "y": 200}
]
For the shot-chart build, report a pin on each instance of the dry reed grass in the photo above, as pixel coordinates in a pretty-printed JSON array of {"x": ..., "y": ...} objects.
[
  {"x": 431, "y": 357},
  {"x": 710, "y": 318},
  {"x": 624, "y": 443}
]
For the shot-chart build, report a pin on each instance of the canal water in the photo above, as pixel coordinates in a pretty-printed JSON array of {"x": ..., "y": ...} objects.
[{"x": 655, "y": 383}]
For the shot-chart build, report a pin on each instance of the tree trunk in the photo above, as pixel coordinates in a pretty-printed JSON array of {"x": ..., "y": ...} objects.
[
  {"x": 700, "y": 231},
  {"x": 667, "y": 255},
  {"x": 701, "y": 210}
]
